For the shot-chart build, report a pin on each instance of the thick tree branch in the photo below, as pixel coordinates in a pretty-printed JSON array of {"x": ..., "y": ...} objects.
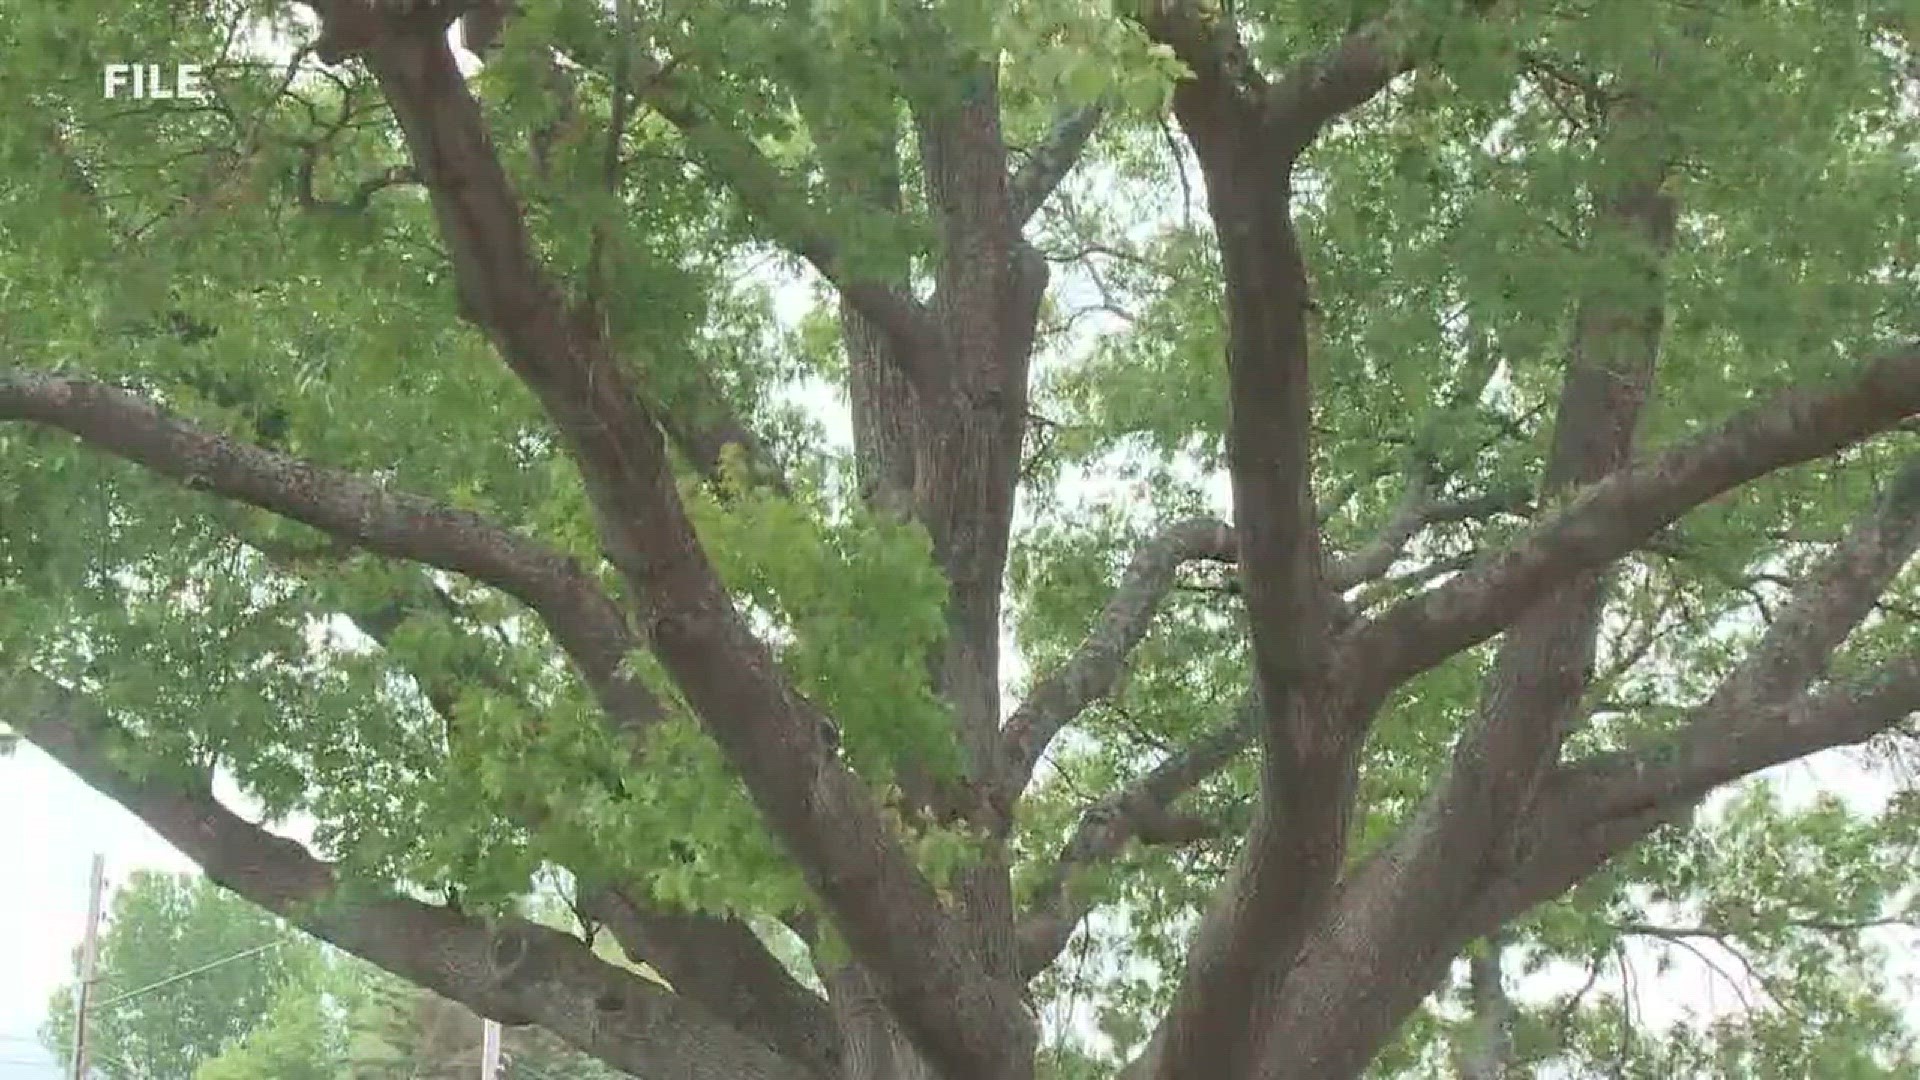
[
  {"x": 508, "y": 969},
  {"x": 1269, "y": 392},
  {"x": 1297, "y": 844},
  {"x": 1760, "y": 716},
  {"x": 1610, "y": 518},
  {"x": 721, "y": 963},
  {"x": 1739, "y": 732},
  {"x": 581, "y": 617},
  {"x": 1310, "y": 751},
  {"x": 781, "y": 743},
  {"x": 989, "y": 283},
  {"x": 1599, "y": 808},
  {"x": 1321, "y": 88},
  {"x": 1204, "y": 40},
  {"x": 1315, "y": 89},
  {"x": 1583, "y": 815}
]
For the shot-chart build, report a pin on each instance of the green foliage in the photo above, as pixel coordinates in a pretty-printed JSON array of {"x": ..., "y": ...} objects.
[
  {"x": 158, "y": 927},
  {"x": 296, "y": 1040},
  {"x": 859, "y": 604}
]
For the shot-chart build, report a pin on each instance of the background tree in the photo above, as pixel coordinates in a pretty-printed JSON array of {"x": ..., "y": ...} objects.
[
  {"x": 160, "y": 926},
  {"x": 292, "y": 1011},
  {"x": 1421, "y": 451}
]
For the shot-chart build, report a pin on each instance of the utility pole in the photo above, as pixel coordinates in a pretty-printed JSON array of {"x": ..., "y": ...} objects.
[
  {"x": 89, "y": 956},
  {"x": 489, "y": 1050}
]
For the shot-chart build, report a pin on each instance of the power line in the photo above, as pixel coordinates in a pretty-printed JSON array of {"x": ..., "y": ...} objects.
[{"x": 190, "y": 972}]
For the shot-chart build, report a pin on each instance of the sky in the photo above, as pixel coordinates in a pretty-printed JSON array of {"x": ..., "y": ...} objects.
[{"x": 51, "y": 825}]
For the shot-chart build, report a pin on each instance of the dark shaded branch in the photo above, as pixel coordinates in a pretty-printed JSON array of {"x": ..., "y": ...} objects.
[
  {"x": 1720, "y": 747},
  {"x": 358, "y": 199},
  {"x": 1318, "y": 89},
  {"x": 1315, "y": 89},
  {"x": 1291, "y": 861},
  {"x": 1297, "y": 844},
  {"x": 508, "y": 969},
  {"x": 706, "y": 426},
  {"x": 1204, "y": 40}
]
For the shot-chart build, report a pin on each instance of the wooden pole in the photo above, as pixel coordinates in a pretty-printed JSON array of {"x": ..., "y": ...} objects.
[
  {"x": 489, "y": 1050},
  {"x": 89, "y": 958}
]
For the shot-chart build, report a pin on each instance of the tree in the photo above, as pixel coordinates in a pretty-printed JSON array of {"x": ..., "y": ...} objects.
[
  {"x": 159, "y": 927},
  {"x": 432, "y": 448},
  {"x": 219, "y": 989},
  {"x": 299, "y": 1038}
]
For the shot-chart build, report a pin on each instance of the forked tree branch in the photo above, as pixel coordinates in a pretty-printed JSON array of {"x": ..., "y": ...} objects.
[
  {"x": 1762, "y": 710},
  {"x": 1416, "y": 907},
  {"x": 1596, "y": 809},
  {"x": 720, "y": 962},
  {"x": 1096, "y": 666},
  {"x": 1761, "y": 715},
  {"x": 1293, "y": 856},
  {"x": 1318, "y": 89},
  {"x": 1399, "y": 899},
  {"x": 785, "y": 211},
  {"x": 781, "y": 206},
  {"x": 508, "y": 969},
  {"x": 1315, "y": 89},
  {"x": 1610, "y": 518}
]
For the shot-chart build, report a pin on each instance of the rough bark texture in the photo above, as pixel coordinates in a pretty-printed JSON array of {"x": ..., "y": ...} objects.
[{"x": 1308, "y": 959}]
